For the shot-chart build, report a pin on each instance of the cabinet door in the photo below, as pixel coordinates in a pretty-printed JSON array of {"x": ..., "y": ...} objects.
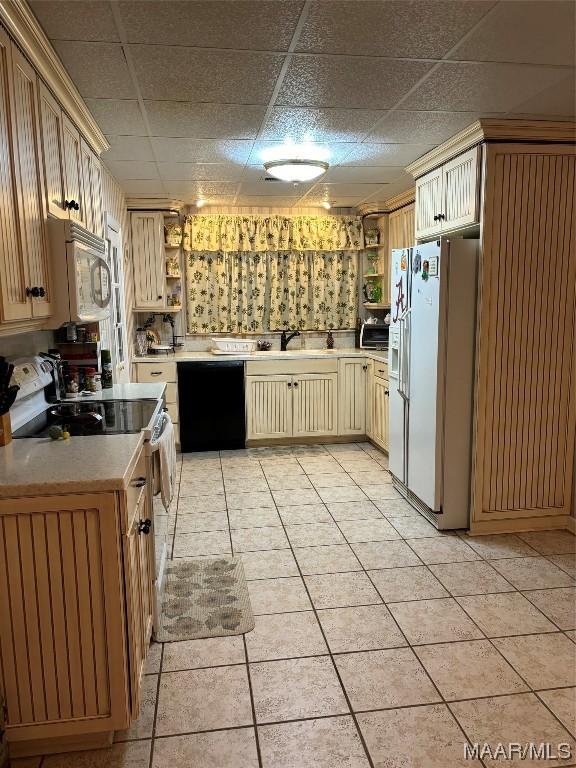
[
  {"x": 72, "y": 164},
  {"x": 352, "y": 396},
  {"x": 315, "y": 404},
  {"x": 92, "y": 189},
  {"x": 460, "y": 190},
  {"x": 148, "y": 260},
  {"x": 428, "y": 203},
  {"x": 369, "y": 395},
  {"x": 97, "y": 208},
  {"x": 138, "y": 579},
  {"x": 30, "y": 181},
  {"x": 52, "y": 153},
  {"x": 13, "y": 265},
  {"x": 380, "y": 402},
  {"x": 268, "y": 407}
]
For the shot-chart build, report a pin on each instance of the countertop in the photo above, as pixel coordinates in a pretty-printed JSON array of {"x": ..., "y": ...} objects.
[
  {"x": 40, "y": 466},
  {"x": 132, "y": 391},
  {"x": 273, "y": 354}
]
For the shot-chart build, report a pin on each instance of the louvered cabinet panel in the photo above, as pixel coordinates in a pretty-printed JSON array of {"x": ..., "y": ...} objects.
[
  {"x": 315, "y": 405},
  {"x": 96, "y": 183},
  {"x": 13, "y": 264},
  {"x": 428, "y": 203},
  {"x": 525, "y": 403},
  {"x": 148, "y": 260},
  {"x": 268, "y": 407},
  {"x": 72, "y": 164},
  {"x": 30, "y": 181},
  {"x": 60, "y": 614},
  {"x": 51, "y": 141},
  {"x": 91, "y": 189},
  {"x": 352, "y": 396},
  {"x": 460, "y": 190},
  {"x": 401, "y": 233}
]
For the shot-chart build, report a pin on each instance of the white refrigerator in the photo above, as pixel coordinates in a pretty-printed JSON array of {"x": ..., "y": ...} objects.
[{"x": 431, "y": 375}]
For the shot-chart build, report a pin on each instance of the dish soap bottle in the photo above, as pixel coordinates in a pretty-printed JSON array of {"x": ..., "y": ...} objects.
[{"x": 330, "y": 340}]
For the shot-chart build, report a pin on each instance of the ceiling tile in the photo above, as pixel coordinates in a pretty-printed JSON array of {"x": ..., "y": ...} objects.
[
  {"x": 143, "y": 187},
  {"x": 71, "y": 20},
  {"x": 206, "y": 189},
  {"x": 273, "y": 188},
  {"x": 200, "y": 171},
  {"x": 131, "y": 170},
  {"x": 482, "y": 87},
  {"x": 316, "y": 198},
  {"x": 559, "y": 100},
  {"x": 529, "y": 31},
  {"x": 323, "y": 191},
  {"x": 266, "y": 201},
  {"x": 363, "y": 174},
  {"x": 421, "y": 127},
  {"x": 348, "y": 81},
  {"x": 204, "y": 121},
  {"x": 128, "y": 148},
  {"x": 99, "y": 70},
  {"x": 335, "y": 151},
  {"x": 385, "y": 154},
  {"x": 201, "y": 151},
  {"x": 417, "y": 28},
  {"x": 193, "y": 74},
  {"x": 213, "y": 23},
  {"x": 321, "y": 125},
  {"x": 117, "y": 117},
  {"x": 215, "y": 204}
]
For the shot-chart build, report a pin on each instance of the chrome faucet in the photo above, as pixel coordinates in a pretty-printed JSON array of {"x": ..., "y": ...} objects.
[{"x": 285, "y": 340}]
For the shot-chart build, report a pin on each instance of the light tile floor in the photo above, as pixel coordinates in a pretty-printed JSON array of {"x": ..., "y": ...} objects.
[{"x": 379, "y": 641}]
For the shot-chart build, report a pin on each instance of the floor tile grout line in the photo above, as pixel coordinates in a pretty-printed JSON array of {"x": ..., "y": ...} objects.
[
  {"x": 156, "y": 703},
  {"x": 252, "y": 703},
  {"x": 336, "y": 671}
]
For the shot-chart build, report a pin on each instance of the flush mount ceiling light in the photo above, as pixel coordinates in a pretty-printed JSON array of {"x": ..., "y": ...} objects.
[
  {"x": 296, "y": 170},
  {"x": 200, "y": 202},
  {"x": 326, "y": 204}
]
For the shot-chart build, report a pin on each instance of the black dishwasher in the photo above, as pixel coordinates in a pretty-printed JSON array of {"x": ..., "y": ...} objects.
[{"x": 211, "y": 403}]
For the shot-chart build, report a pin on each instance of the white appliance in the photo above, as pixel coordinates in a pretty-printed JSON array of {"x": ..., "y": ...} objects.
[
  {"x": 431, "y": 374},
  {"x": 81, "y": 275}
]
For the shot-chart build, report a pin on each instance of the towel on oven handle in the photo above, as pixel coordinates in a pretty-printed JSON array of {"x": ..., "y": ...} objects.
[{"x": 166, "y": 446}]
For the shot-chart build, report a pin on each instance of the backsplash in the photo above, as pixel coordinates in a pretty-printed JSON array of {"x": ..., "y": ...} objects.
[
  {"x": 306, "y": 340},
  {"x": 25, "y": 344}
]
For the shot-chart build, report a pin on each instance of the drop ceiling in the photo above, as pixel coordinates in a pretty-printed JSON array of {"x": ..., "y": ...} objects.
[{"x": 190, "y": 93}]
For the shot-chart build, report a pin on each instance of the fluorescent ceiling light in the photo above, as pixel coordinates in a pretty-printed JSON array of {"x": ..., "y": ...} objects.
[{"x": 296, "y": 170}]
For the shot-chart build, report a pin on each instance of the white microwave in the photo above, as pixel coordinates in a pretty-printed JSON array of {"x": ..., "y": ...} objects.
[{"x": 80, "y": 275}]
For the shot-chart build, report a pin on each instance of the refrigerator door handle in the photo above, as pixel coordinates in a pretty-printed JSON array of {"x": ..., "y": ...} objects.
[
  {"x": 402, "y": 362},
  {"x": 406, "y": 355}
]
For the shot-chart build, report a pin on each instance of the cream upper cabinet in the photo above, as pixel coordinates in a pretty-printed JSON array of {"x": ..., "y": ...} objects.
[
  {"x": 72, "y": 164},
  {"x": 268, "y": 407},
  {"x": 35, "y": 267},
  {"x": 148, "y": 261},
  {"x": 352, "y": 396},
  {"x": 447, "y": 198},
  {"x": 92, "y": 190},
  {"x": 52, "y": 153},
  {"x": 315, "y": 404},
  {"x": 380, "y": 408},
  {"x": 15, "y": 304}
]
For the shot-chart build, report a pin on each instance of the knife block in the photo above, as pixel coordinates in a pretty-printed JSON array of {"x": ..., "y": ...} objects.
[{"x": 5, "y": 429}]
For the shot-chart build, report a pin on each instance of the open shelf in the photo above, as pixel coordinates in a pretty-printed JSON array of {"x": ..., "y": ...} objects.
[
  {"x": 371, "y": 305},
  {"x": 173, "y": 277},
  {"x": 373, "y": 274}
]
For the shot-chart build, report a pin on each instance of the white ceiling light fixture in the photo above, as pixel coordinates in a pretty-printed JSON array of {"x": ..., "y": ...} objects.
[
  {"x": 296, "y": 163},
  {"x": 296, "y": 170},
  {"x": 326, "y": 204},
  {"x": 200, "y": 202}
]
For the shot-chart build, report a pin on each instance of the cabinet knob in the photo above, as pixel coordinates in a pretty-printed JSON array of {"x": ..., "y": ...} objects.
[
  {"x": 34, "y": 291},
  {"x": 159, "y": 297},
  {"x": 364, "y": 367},
  {"x": 42, "y": 291},
  {"x": 289, "y": 384},
  {"x": 295, "y": 383},
  {"x": 441, "y": 217},
  {"x": 144, "y": 526},
  {"x": 386, "y": 392},
  {"x": 139, "y": 482},
  {"x": 381, "y": 370},
  {"x": 71, "y": 205}
]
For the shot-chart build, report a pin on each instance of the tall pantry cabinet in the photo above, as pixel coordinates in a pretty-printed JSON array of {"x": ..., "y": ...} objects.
[{"x": 513, "y": 183}]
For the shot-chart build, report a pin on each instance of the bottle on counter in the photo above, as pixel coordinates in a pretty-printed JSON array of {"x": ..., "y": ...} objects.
[
  {"x": 330, "y": 340},
  {"x": 89, "y": 379},
  {"x": 106, "y": 359}
]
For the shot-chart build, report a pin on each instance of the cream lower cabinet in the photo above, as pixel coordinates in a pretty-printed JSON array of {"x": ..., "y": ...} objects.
[
  {"x": 291, "y": 399},
  {"x": 158, "y": 372},
  {"x": 380, "y": 406},
  {"x": 352, "y": 377},
  {"x": 75, "y": 615},
  {"x": 268, "y": 407}
]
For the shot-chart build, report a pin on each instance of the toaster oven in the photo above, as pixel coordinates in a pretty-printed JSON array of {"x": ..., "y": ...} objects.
[{"x": 374, "y": 336}]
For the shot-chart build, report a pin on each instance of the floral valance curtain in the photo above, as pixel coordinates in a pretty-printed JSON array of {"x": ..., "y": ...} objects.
[
  {"x": 269, "y": 291},
  {"x": 249, "y": 234}
]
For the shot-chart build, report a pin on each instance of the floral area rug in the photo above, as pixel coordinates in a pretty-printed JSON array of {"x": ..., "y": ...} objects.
[{"x": 204, "y": 598}]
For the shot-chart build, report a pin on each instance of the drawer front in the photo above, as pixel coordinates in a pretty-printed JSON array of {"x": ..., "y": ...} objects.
[
  {"x": 290, "y": 367},
  {"x": 171, "y": 393},
  {"x": 173, "y": 411},
  {"x": 380, "y": 369},
  {"x": 160, "y": 371}
]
